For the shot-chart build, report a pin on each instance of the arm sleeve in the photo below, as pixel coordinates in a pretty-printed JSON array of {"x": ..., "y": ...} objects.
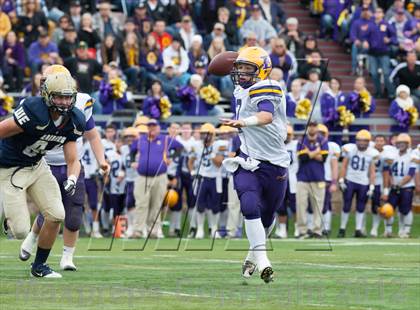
[
  {"x": 266, "y": 106},
  {"x": 90, "y": 124},
  {"x": 24, "y": 117}
]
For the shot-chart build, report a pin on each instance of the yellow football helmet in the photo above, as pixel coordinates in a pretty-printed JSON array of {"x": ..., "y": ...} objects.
[
  {"x": 386, "y": 211},
  {"x": 130, "y": 131},
  {"x": 225, "y": 129},
  {"x": 404, "y": 138},
  {"x": 142, "y": 129},
  {"x": 256, "y": 57},
  {"x": 141, "y": 120},
  {"x": 55, "y": 69},
  {"x": 59, "y": 92},
  {"x": 322, "y": 128},
  {"x": 363, "y": 135},
  {"x": 207, "y": 128}
]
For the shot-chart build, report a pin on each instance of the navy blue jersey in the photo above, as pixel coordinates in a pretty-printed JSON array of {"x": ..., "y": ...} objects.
[{"x": 39, "y": 133}]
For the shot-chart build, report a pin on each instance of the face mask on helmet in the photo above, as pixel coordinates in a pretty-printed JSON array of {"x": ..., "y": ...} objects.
[
  {"x": 59, "y": 93},
  {"x": 244, "y": 74},
  {"x": 402, "y": 146},
  {"x": 362, "y": 145}
]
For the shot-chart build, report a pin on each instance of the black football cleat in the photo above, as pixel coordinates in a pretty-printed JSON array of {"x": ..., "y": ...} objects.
[
  {"x": 267, "y": 275},
  {"x": 359, "y": 234},
  {"x": 341, "y": 233},
  {"x": 44, "y": 271}
]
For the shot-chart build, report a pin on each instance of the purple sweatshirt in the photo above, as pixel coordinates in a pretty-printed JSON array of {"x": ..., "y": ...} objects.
[
  {"x": 37, "y": 51},
  {"x": 18, "y": 53}
]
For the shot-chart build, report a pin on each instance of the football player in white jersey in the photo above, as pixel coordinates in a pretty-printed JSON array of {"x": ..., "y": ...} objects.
[
  {"x": 110, "y": 136},
  {"x": 73, "y": 204},
  {"x": 209, "y": 186},
  {"x": 357, "y": 177},
  {"x": 290, "y": 197},
  {"x": 129, "y": 135},
  {"x": 260, "y": 170},
  {"x": 402, "y": 172},
  {"x": 386, "y": 154},
  {"x": 331, "y": 176}
]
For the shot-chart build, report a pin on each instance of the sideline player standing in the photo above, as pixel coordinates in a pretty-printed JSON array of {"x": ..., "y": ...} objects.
[
  {"x": 261, "y": 177},
  {"x": 38, "y": 125}
]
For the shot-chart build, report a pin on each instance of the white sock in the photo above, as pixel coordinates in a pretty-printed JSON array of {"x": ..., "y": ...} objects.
[
  {"x": 296, "y": 230},
  {"x": 68, "y": 251},
  {"x": 256, "y": 236},
  {"x": 376, "y": 220},
  {"x": 363, "y": 228},
  {"x": 344, "y": 219},
  {"x": 310, "y": 221},
  {"x": 215, "y": 222},
  {"x": 327, "y": 220},
  {"x": 192, "y": 217},
  {"x": 400, "y": 222},
  {"x": 283, "y": 230},
  {"x": 130, "y": 216},
  {"x": 178, "y": 217},
  {"x": 388, "y": 225},
  {"x": 95, "y": 226},
  {"x": 200, "y": 220},
  {"x": 359, "y": 220},
  {"x": 408, "y": 221},
  {"x": 30, "y": 241},
  {"x": 223, "y": 218},
  {"x": 105, "y": 220}
]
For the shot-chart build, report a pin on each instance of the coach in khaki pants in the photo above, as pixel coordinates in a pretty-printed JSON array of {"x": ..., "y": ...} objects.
[
  {"x": 150, "y": 186},
  {"x": 312, "y": 153}
]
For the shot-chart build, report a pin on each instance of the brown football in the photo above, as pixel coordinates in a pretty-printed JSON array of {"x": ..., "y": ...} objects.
[{"x": 222, "y": 63}]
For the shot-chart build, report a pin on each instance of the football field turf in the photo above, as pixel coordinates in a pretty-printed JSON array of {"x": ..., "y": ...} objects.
[{"x": 196, "y": 274}]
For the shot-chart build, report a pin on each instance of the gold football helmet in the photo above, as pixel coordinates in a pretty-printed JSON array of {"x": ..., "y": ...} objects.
[{"x": 59, "y": 92}]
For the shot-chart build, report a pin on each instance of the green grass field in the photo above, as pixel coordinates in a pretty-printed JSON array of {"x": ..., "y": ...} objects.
[{"x": 356, "y": 274}]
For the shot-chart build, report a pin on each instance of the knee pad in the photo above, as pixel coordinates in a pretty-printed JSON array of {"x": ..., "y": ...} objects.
[
  {"x": 56, "y": 215},
  {"x": 250, "y": 205},
  {"x": 73, "y": 218}
]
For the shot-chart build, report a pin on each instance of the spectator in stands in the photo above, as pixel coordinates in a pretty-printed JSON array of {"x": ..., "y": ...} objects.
[
  {"x": 359, "y": 36},
  {"x": 87, "y": 34},
  {"x": 151, "y": 62},
  {"x": 42, "y": 51},
  {"x": 76, "y": 13},
  {"x": 131, "y": 50},
  {"x": 232, "y": 33},
  {"x": 217, "y": 46},
  {"x": 176, "y": 55},
  {"x": 292, "y": 35},
  {"x": 282, "y": 58},
  {"x": 152, "y": 101},
  {"x": 14, "y": 62},
  {"x": 177, "y": 11},
  {"x": 156, "y": 10},
  {"x": 163, "y": 38},
  {"x": 150, "y": 185},
  {"x": 314, "y": 61},
  {"x": 83, "y": 69},
  {"x": 313, "y": 90},
  {"x": 412, "y": 26},
  {"x": 330, "y": 15},
  {"x": 34, "y": 87},
  {"x": 146, "y": 28},
  {"x": 361, "y": 104},
  {"x": 273, "y": 13},
  {"x": 170, "y": 82},
  {"x": 187, "y": 31},
  {"x": 261, "y": 27},
  {"x": 7, "y": 6},
  {"x": 209, "y": 9},
  {"x": 218, "y": 32},
  {"x": 130, "y": 27},
  {"x": 276, "y": 74},
  {"x": 380, "y": 38},
  {"x": 293, "y": 97},
  {"x": 5, "y": 25},
  {"x": 309, "y": 45},
  {"x": 111, "y": 51},
  {"x": 364, "y": 4},
  {"x": 140, "y": 15},
  {"x": 32, "y": 22},
  {"x": 104, "y": 23},
  {"x": 331, "y": 99},
  {"x": 197, "y": 53},
  {"x": 68, "y": 45},
  {"x": 312, "y": 153},
  {"x": 400, "y": 109},
  {"x": 112, "y": 93},
  {"x": 397, "y": 7},
  {"x": 408, "y": 73},
  {"x": 250, "y": 40},
  {"x": 63, "y": 24}
]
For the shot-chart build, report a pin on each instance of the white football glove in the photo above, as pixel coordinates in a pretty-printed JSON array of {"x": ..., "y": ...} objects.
[
  {"x": 342, "y": 184},
  {"x": 70, "y": 185},
  {"x": 370, "y": 191}
]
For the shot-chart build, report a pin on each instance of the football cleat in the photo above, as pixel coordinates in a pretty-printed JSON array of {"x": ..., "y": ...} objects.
[
  {"x": 192, "y": 232},
  {"x": 96, "y": 235},
  {"x": 359, "y": 234},
  {"x": 199, "y": 234},
  {"x": 341, "y": 233},
  {"x": 248, "y": 269},
  {"x": 66, "y": 263},
  {"x": 374, "y": 233},
  {"x": 5, "y": 227},
  {"x": 267, "y": 275},
  {"x": 44, "y": 271}
]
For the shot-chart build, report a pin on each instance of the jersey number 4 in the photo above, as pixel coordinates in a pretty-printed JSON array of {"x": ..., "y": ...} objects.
[
  {"x": 394, "y": 169},
  {"x": 38, "y": 148}
]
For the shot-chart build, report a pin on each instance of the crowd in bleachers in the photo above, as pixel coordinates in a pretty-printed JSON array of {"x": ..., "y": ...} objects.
[{"x": 118, "y": 48}]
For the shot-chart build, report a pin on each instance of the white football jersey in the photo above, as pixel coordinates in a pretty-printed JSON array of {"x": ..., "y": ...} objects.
[
  {"x": 222, "y": 147},
  {"x": 109, "y": 146},
  {"x": 333, "y": 152},
  {"x": 116, "y": 162},
  {"x": 291, "y": 148},
  {"x": 207, "y": 169},
  {"x": 359, "y": 162},
  {"x": 130, "y": 173},
  {"x": 400, "y": 167},
  {"x": 263, "y": 142},
  {"x": 88, "y": 161},
  {"x": 188, "y": 145},
  {"x": 175, "y": 157},
  {"x": 388, "y": 153},
  {"x": 55, "y": 157}
]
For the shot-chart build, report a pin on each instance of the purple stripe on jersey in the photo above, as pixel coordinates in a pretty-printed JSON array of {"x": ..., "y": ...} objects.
[
  {"x": 266, "y": 106},
  {"x": 412, "y": 171},
  {"x": 90, "y": 124}
]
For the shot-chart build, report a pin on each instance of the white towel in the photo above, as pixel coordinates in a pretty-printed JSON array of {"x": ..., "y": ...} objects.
[{"x": 231, "y": 164}]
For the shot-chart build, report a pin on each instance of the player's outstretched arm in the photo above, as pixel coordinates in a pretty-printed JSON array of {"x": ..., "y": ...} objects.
[
  {"x": 98, "y": 149},
  {"x": 259, "y": 119},
  {"x": 8, "y": 128},
  {"x": 72, "y": 159}
]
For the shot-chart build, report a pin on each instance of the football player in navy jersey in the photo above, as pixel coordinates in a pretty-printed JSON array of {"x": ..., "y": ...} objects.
[{"x": 40, "y": 124}]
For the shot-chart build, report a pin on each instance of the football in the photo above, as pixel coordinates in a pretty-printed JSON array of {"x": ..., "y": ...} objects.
[{"x": 222, "y": 64}]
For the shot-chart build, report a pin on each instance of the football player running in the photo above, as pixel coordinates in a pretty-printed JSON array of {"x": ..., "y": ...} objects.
[
  {"x": 357, "y": 177},
  {"x": 38, "y": 125},
  {"x": 74, "y": 204},
  {"x": 260, "y": 170}
]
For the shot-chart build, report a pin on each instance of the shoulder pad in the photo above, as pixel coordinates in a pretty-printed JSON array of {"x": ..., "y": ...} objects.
[
  {"x": 37, "y": 109},
  {"x": 79, "y": 120},
  {"x": 347, "y": 148},
  {"x": 268, "y": 88}
]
